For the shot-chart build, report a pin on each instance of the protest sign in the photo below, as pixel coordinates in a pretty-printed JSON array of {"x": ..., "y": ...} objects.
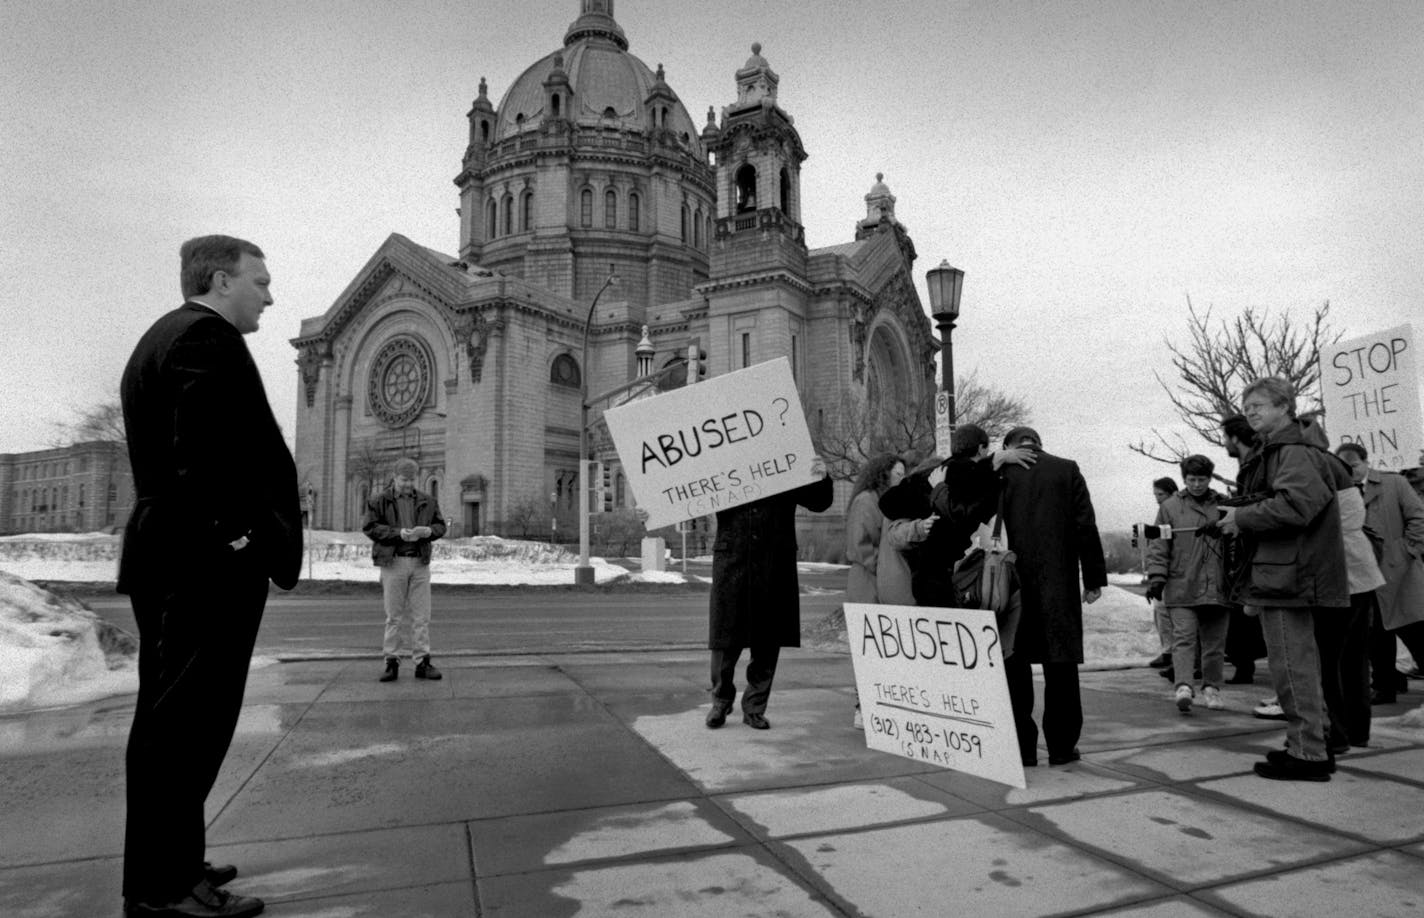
[
  {"x": 932, "y": 688},
  {"x": 729, "y": 440},
  {"x": 1370, "y": 390}
]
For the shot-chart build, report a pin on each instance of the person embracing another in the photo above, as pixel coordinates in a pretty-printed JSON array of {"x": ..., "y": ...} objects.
[
  {"x": 402, "y": 522},
  {"x": 216, "y": 517},
  {"x": 1293, "y": 565},
  {"x": 1054, "y": 531}
]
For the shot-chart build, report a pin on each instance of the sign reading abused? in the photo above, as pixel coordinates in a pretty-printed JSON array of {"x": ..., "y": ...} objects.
[
  {"x": 729, "y": 440},
  {"x": 932, "y": 688},
  {"x": 1370, "y": 390}
]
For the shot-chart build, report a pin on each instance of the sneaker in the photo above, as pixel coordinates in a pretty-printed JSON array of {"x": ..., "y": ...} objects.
[
  {"x": 1184, "y": 698},
  {"x": 1270, "y": 709},
  {"x": 392, "y": 670},
  {"x": 857, "y": 721},
  {"x": 1213, "y": 698},
  {"x": 204, "y": 900},
  {"x": 426, "y": 670}
]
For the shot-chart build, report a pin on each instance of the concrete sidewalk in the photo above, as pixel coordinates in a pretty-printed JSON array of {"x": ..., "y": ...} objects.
[{"x": 560, "y": 785}]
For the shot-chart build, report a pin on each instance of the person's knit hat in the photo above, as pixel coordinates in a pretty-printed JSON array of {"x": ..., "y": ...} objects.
[
  {"x": 406, "y": 467},
  {"x": 1019, "y": 433}
]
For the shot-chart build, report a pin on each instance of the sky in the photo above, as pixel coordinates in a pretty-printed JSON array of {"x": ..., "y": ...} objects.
[{"x": 1090, "y": 166}]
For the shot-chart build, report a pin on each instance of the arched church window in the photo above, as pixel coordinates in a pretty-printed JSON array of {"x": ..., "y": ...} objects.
[
  {"x": 506, "y": 204},
  {"x": 697, "y": 228},
  {"x": 785, "y": 191},
  {"x": 686, "y": 217},
  {"x": 610, "y": 209},
  {"x": 746, "y": 188},
  {"x": 519, "y": 121},
  {"x": 565, "y": 372},
  {"x": 707, "y": 230},
  {"x": 491, "y": 223},
  {"x": 398, "y": 386},
  {"x": 664, "y": 117},
  {"x": 610, "y": 113},
  {"x": 554, "y": 105},
  {"x": 484, "y": 131},
  {"x": 633, "y": 203},
  {"x": 676, "y": 377},
  {"x": 526, "y": 212},
  {"x": 586, "y": 208}
]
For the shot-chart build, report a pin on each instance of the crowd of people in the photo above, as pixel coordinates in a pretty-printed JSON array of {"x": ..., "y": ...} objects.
[
  {"x": 1315, "y": 555},
  {"x": 1313, "y": 560}
]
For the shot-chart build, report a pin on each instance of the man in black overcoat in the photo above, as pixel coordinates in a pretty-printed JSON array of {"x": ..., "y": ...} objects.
[
  {"x": 216, "y": 516},
  {"x": 1054, "y": 532},
  {"x": 756, "y": 597}
]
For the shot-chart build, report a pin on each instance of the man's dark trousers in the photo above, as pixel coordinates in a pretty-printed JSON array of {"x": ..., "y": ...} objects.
[
  {"x": 1062, "y": 706},
  {"x": 195, "y": 645},
  {"x": 761, "y": 670}
]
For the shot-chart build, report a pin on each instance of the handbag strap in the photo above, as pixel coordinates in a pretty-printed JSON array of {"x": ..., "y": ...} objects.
[{"x": 995, "y": 538}]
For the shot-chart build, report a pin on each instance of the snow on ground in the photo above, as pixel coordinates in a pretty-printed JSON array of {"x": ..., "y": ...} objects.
[
  {"x": 54, "y": 652},
  {"x": 93, "y": 557}
]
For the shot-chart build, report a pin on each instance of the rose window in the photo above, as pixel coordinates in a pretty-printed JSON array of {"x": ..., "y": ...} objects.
[{"x": 399, "y": 382}]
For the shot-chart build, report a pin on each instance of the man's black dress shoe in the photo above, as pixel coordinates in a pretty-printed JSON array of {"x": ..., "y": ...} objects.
[
  {"x": 392, "y": 671},
  {"x": 755, "y": 721},
  {"x": 1063, "y": 758},
  {"x": 219, "y": 874},
  {"x": 717, "y": 716},
  {"x": 1282, "y": 766}
]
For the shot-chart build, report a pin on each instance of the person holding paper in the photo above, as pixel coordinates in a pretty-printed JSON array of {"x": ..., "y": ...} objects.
[
  {"x": 755, "y": 600},
  {"x": 402, "y": 522}
]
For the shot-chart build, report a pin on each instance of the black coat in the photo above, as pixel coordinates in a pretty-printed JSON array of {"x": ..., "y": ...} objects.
[
  {"x": 1053, "y": 531},
  {"x": 209, "y": 462},
  {"x": 756, "y": 596},
  {"x": 383, "y": 525},
  {"x": 967, "y": 497}
]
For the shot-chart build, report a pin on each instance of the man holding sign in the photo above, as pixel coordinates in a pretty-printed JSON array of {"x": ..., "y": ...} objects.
[{"x": 755, "y": 594}]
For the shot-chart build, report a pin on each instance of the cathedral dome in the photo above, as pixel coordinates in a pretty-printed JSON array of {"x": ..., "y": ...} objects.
[{"x": 609, "y": 85}]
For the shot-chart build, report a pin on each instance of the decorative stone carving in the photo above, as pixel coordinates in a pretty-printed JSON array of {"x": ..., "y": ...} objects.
[
  {"x": 309, "y": 359},
  {"x": 473, "y": 329},
  {"x": 399, "y": 382}
]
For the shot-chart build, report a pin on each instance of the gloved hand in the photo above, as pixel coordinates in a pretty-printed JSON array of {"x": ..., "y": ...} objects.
[{"x": 1155, "y": 590}]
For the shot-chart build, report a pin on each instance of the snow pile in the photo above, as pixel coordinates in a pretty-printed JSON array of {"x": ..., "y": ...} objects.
[
  {"x": 93, "y": 558},
  {"x": 55, "y": 652}
]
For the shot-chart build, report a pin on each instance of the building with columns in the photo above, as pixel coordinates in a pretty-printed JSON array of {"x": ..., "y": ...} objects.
[{"x": 590, "y": 164}]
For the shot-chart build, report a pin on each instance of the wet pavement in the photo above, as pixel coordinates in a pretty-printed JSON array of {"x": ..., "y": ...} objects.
[{"x": 543, "y": 786}]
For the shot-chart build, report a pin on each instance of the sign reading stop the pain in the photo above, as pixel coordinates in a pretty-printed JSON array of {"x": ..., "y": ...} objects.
[
  {"x": 1370, "y": 390},
  {"x": 729, "y": 440},
  {"x": 932, "y": 688}
]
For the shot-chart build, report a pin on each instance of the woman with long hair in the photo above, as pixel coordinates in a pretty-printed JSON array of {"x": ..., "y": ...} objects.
[{"x": 864, "y": 523}]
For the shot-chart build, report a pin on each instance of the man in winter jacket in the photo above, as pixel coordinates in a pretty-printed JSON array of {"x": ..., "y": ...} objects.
[
  {"x": 1295, "y": 565},
  {"x": 1395, "y": 514},
  {"x": 402, "y": 522},
  {"x": 1186, "y": 569}
]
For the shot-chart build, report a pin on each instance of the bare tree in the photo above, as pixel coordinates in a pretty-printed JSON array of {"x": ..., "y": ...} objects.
[
  {"x": 1219, "y": 360},
  {"x": 103, "y": 422},
  {"x": 366, "y": 465},
  {"x": 524, "y": 515},
  {"x": 852, "y": 432}
]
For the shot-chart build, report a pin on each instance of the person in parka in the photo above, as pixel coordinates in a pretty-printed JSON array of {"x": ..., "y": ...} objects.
[
  {"x": 755, "y": 600},
  {"x": 1293, "y": 564},
  {"x": 1186, "y": 569}
]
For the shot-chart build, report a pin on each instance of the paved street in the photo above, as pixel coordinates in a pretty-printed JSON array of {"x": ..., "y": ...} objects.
[{"x": 485, "y": 621}]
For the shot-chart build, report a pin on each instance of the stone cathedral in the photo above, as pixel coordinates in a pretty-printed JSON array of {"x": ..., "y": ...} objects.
[{"x": 590, "y": 165}]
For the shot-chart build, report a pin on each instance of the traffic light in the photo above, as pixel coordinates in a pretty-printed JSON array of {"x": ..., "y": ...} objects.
[
  {"x": 595, "y": 486},
  {"x": 696, "y": 361}
]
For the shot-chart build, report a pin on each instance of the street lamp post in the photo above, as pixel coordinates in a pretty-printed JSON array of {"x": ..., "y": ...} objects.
[
  {"x": 945, "y": 285},
  {"x": 583, "y": 574}
]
